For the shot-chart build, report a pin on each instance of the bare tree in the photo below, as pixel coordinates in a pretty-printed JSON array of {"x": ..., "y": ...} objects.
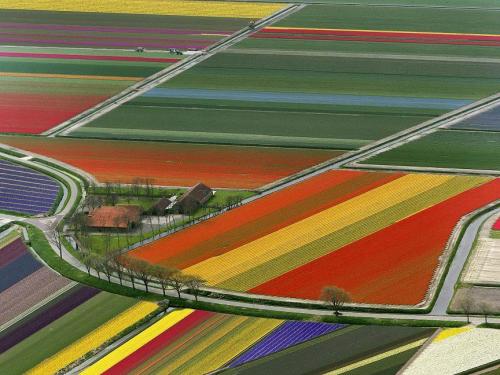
[
  {"x": 86, "y": 259},
  {"x": 335, "y": 297},
  {"x": 107, "y": 265},
  {"x": 96, "y": 263},
  {"x": 108, "y": 188},
  {"x": 467, "y": 305},
  {"x": 141, "y": 270},
  {"x": 79, "y": 223},
  {"x": 484, "y": 309},
  {"x": 162, "y": 275},
  {"x": 126, "y": 263},
  {"x": 115, "y": 263},
  {"x": 55, "y": 237},
  {"x": 194, "y": 283},
  {"x": 177, "y": 280}
]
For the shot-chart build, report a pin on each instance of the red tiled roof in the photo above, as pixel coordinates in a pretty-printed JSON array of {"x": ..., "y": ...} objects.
[{"x": 114, "y": 216}]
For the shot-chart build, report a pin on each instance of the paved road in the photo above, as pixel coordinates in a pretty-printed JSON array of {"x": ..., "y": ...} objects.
[
  {"x": 464, "y": 248},
  {"x": 46, "y": 224}
]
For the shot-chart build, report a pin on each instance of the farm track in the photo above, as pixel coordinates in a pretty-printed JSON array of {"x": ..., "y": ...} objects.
[
  {"x": 349, "y": 160},
  {"x": 164, "y": 75},
  {"x": 439, "y": 312}
]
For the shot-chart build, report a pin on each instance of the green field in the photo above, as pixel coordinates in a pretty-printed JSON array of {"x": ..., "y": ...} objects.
[
  {"x": 338, "y": 349},
  {"x": 446, "y": 149},
  {"x": 274, "y": 92},
  {"x": 417, "y": 51},
  {"x": 276, "y": 123},
  {"x": 242, "y": 126},
  {"x": 356, "y": 76},
  {"x": 367, "y": 17},
  {"x": 64, "y": 331},
  {"x": 387, "y": 18}
]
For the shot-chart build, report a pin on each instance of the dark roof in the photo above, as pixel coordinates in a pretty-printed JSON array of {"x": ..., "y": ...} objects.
[
  {"x": 199, "y": 193},
  {"x": 162, "y": 204},
  {"x": 114, "y": 216}
]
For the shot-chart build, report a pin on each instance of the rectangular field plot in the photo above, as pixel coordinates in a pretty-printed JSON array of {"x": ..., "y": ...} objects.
[
  {"x": 446, "y": 149},
  {"x": 85, "y": 325},
  {"x": 176, "y": 164},
  {"x": 425, "y": 32},
  {"x": 112, "y": 31},
  {"x": 25, "y": 190},
  {"x": 343, "y": 227},
  {"x": 193, "y": 342},
  {"x": 62, "y": 58},
  {"x": 264, "y": 91},
  {"x": 487, "y": 121},
  {"x": 42, "y": 88}
]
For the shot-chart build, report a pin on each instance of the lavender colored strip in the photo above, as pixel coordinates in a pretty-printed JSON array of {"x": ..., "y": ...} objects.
[
  {"x": 17, "y": 270},
  {"x": 113, "y": 44},
  {"x": 288, "y": 334},
  {"x": 11, "y": 252},
  {"x": 46, "y": 317},
  {"x": 155, "y": 30}
]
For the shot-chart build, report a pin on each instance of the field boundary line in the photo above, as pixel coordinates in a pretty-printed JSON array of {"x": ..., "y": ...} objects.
[
  {"x": 425, "y": 128},
  {"x": 40, "y": 304},
  {"x": 419, "y": 351},
  {"x": 164, "y": 75}
]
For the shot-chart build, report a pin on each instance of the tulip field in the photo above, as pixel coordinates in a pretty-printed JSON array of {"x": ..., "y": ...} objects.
[
  {"x": 352, "y": 221},
  {"x": 69, "y": 57},
  {"x": 456, "y": 350},
  {"x": 328, "y": 66},
  {"x": 175, "y": 164},
  {"x": 42, "y": 89},
  {"x": 80, "y": 323},
  {"x": 194, "y": 342},
  {"x": 25, "y": 282},
  {"x": 25, "y": 190},
  {"x": 308, "y": 183},
  {"x": 50, "y": 321}
]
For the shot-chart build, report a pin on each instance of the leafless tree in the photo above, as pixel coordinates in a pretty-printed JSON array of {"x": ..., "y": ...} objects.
[
  {"x": 484, "y": 309},
  {"x": 86, "y": 259},
  {"x": 177, "y": 280},
  {"x": 467, "y": 304},
  {"x": 115, "y": 263},
  {"x": 148, "y": 182},
  {"x": 96, "y": 263},
  {"x": 335, "y": 297},
  {"x": 108, "y": 188},
  {"x": 126, "y": 263},
  {"x": 118, "y": 187},
  {"x": 79, "y": 223},
  {"x": 141, "y": 270},
  {"x": 194, "y": 283},
  {"x": 55, "y": 237},
  {"x": 135, "y": 187},
  {"x": 106, "y": 265},
  {"x": 162, "y": 275}
]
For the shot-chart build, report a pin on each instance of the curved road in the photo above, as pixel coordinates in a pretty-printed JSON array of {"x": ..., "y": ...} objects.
[{"x": 438, "y": 312}]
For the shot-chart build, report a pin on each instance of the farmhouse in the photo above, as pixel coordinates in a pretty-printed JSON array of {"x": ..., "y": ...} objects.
[
  {"x": 193, "y": 199},
  {"x": 120, "y": 217},
  {"x": 163, "y": 205}
]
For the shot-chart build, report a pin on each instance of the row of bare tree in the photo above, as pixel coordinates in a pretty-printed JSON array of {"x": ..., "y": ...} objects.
[{"x": 125, "y": 267}]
